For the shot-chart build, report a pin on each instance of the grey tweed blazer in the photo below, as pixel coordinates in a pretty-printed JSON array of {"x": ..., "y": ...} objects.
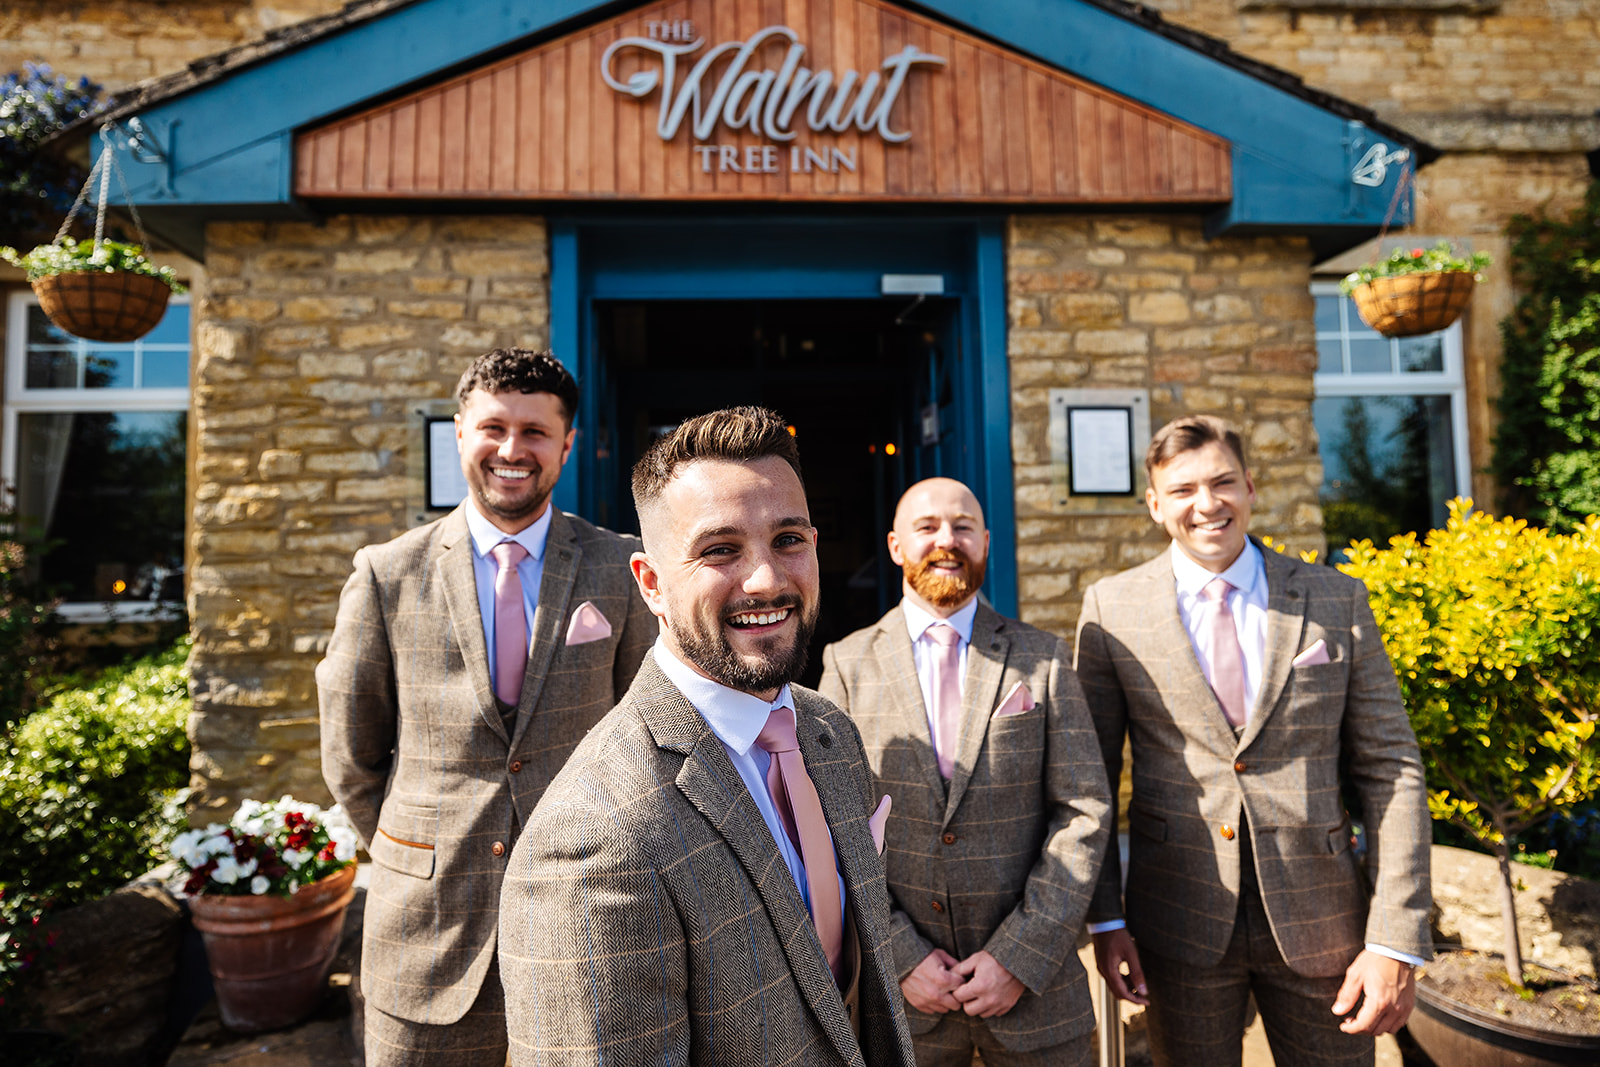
[
  {"x": 1195, "y": 783},
  {"x": 415, "y": 749},
  {"x": 648, "y": 918},
  {"x": 1004, "y": 859}
]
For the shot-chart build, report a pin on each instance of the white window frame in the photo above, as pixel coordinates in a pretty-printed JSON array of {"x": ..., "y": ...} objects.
[
  {"x": 20, "y": 400},
  {"x": 1450, "y": 382}
]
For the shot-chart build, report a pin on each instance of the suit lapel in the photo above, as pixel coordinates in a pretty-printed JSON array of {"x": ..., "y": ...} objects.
[
  {"x": 893, "y": 649},
  {"x": 460, "y": 585},
  {"x": 986, "y": 665},
  {"x": 709, "y": 781},
  {"x": 1173, "y": 645},
  {"x": 562, "y": 557},
  {"x": 1286, "y": 620}
]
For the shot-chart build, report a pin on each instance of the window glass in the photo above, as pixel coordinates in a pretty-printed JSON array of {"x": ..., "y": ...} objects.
[
  {"x": 159, "y": 360},
  {"x": 105, "y": 489},
  {"x": 50, "y": 368},
  {"x": 1421, "y": 354},
  {"x": 1388, "y": 465},
  {"x": 1328, "y": 314},
  {"x": 1369, "y": 355},
  {"x": 1330, "y": 355}
]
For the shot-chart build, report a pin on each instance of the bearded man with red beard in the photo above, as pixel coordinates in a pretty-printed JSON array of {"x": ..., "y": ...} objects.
[{"x": 975, "y": 725}]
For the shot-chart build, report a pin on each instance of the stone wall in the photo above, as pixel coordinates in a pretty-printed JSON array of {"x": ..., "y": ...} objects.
[
  {"x": 118, "y": 42},
  {"x": 315, "y": 346},
  {"x": 1221, "y": 327}
]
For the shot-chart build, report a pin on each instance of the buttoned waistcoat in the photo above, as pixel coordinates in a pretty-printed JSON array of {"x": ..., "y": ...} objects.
[
  {"x": 648, "y": 917},
  {"x": 415, "y": 748},
  {"x": 1314, "y": 729},
  {"x": 1005, "y": 857}
]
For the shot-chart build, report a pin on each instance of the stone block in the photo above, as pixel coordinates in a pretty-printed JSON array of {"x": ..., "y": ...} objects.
[
  {"x": 368, "y": 489},
  {"x": 370, "y": 334},
  {"x": 1111, "y": 342},
  {"x": 346, "y": 541},
  {"x": 342, "y": 462},
  {"x": 393, "y": 437},
  {"x": 497, "y": 262},
  {"x": 287, "y": 261},
  {"x": 510, "y": 315},
  {"x": 1158, "y": 307},
  {"x": 1132, "y": 233},
  {"x": 321, "y": 234},
  {"x": 1023, "y": 344},
  {"x": 279, "y": 463},
  {"x": 214, "y": 341},
  {"x": 1087, "y": 311},
  {"x": 446, "y": 310},
  {"x": 303, "y": 436},
  {"x": 294, "y": 338},
  {"x": 1060, "y": 555},
  {"x": 376, "y": 260},
  {"x": 1042, "y": 588},
  {"x": 377, "y": 229},
  {"x": 313, "y": 308},
  {"x": 1106, "y": 257},
  {"x": 438, "y": 285},
  {"x": 478, "y": 338},
  {"x": 1143, "y": 280},
  {"x": 508, "y": 229},
  {"x": 236, "y": 542},
  {"x": 235, "y": 307},
  {"x": 316, "y": 365},
  {"x": 518, "y": 289}
]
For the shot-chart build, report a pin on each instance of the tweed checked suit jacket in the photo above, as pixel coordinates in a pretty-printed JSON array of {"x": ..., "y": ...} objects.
[
  {"x": 415, "y": 749},
  {"x": 1004, "y": 859},
  {"x": 648, "y": 917},
  {"x": 1195, "y": 784}
]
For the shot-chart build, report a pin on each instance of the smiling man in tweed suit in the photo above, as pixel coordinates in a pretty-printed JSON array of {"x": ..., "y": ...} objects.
[
  {"x": 1000, "y": 806},
  {"x": 701, "y": 884},
  {"x": 454, "y": 688},
  {"x": 1256, "y": 694}
]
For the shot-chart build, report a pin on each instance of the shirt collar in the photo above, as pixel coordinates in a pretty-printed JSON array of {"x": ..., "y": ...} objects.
[
  {"x": 1243, "y": 573},
  {"x": 918, "y": 620},
  {"x": 736, "y": 718},
  {"x": 485, "y": 534}
]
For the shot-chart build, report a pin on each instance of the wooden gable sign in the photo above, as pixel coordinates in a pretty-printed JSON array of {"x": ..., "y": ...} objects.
[{"x": 806, "y": 100}]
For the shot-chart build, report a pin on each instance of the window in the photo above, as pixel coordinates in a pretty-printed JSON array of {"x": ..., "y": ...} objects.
[
  {"x": 93, "y": 439},
  {"x": 1391, "y": 417}
]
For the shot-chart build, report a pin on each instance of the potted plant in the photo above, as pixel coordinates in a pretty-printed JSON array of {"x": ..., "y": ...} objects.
[
  {"x": 1493, "y": 627},
  {"x": 268, "y": 893},
  {"x": 1415, "y": 291},
  {"x": 100, "y": 290}
]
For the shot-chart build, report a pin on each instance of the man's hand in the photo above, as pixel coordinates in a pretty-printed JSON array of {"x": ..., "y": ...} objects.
[
  {"x": 990, "y": 989},
  {"x": 929, "y": 987},
  {"x": 1387, "y": 992},
  {"x": 1112, "y": 949}
]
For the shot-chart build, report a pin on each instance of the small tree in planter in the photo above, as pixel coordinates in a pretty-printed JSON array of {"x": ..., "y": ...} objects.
[{"x": 1494, "y": 630}]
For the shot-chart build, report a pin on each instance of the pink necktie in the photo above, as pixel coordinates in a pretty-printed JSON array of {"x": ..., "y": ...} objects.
[
  {"x": 1227, "y": 657},
  {"x": 946, "y": 687},
  {"x": 796, "y": 799},
  {"x": 510, "y": 625}
]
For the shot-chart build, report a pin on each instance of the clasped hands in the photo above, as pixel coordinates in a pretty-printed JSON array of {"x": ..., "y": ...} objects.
[{"x": 978, "y": 985}]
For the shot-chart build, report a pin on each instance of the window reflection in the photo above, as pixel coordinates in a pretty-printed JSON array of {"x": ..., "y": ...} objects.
[{"x": 1387, "y": 466}]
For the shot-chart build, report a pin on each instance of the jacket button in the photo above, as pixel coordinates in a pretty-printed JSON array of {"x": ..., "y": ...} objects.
[
  {"x": 1239, "y": 766},
  {"x": 499, "y": 848},
  {"x": 949, "y": 839},
  {"x": 1226, "y": 831},
  {"x": 516, "y": 766},
  {"x": 938, "y": 907}
]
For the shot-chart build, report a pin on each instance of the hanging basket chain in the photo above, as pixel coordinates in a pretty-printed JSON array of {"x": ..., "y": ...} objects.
[{"x": 99, "y": 168}]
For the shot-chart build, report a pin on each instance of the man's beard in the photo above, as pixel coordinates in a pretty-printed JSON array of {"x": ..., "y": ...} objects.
[
  {"x": 941, "y": 588},
  {"x": 705, "y": 645},
  {"x": 512, "y": 508}
]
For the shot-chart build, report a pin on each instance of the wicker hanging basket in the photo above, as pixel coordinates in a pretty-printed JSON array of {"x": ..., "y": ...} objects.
[
  {"x": 1405, "y": 305},
  {"x": 108, "y": 306}
]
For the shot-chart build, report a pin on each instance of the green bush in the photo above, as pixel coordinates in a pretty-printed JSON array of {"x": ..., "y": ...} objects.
[
  {"x": 1493, "y": 627},
  {"x": 25, "y": 622},
  {"x": 89, "y": 787}
]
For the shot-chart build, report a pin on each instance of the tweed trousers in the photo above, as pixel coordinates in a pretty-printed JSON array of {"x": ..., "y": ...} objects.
[
  {"x": 477, "y": 1040},
  {"x": 951, "y": 1044},
  {"x": 1197, "y": 1015}
]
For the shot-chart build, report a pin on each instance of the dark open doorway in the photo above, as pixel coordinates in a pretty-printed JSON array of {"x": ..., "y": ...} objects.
[{"x": 867, "y": 385}]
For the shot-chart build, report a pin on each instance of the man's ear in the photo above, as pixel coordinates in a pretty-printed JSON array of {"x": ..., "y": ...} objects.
[
  {"x": 1154, "y": 506},
  {"x": 649, "y": 582},
  {"x": 894, "y": 550}
]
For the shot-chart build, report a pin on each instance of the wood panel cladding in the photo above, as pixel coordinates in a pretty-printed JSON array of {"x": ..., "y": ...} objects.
[{"x": 983, "y": 124}]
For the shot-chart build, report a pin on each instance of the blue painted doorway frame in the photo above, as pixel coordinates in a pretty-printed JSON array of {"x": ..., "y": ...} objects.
[{"x": 822, "y": 258}]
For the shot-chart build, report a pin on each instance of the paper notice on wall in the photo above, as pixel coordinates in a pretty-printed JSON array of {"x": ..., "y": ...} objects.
[
  {"x": 447, "y": 486},
  {"x": 1100, "y": 449}
]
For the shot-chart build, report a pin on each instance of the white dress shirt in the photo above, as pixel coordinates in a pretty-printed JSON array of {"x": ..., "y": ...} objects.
[
  {"x": 1247, "y": 601},
  {"x": 738, "y": 719},
  {"x": 485, "y": 535},
  {"x": 918, "y": 622}
]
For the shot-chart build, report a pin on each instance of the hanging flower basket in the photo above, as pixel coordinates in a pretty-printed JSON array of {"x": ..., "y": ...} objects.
[
  {"x": 268, "y": 894},
  {"x": 1415, "y": 292},
  {"x": 110, "y": 306}
]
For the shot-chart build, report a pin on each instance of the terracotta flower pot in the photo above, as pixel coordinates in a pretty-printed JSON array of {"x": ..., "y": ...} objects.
[
  {"x": 1410, "y": 304},
  {"x": 269, "y": 955},
  {"x": 113, "y": 307}
]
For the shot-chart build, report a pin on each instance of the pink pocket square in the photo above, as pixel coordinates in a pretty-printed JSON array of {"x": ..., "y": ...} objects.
[
  {"x": 878, "y": 820},
  {"x": 1016, "y": 702},
  {"x": 588, "y": 624},
  {"x": 1317, "y": 653}
]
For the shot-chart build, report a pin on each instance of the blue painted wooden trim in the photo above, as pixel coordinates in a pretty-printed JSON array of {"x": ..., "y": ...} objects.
[
  {"x": 1291, "y": 160},
  {"x": 999, "y": 479},
  {"x": 566, "y": 341}
]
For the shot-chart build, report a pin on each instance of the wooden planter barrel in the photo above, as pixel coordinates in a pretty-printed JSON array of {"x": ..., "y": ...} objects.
[
  {"x": 1410, "y": 304},
  {"x": 269, "y": 956},
  {"x": 113, "y": 307}
]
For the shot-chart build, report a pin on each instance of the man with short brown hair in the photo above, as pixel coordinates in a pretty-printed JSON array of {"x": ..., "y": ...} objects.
[
  {"x": 701, "y": 884},
  {"x": 469, "y": 657},
  {"x": 1254, "y": 690},
  {"x": 975, "y": 726}
]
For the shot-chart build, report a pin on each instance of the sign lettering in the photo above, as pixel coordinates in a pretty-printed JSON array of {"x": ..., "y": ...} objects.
[{"x": 765, "y": 101}]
